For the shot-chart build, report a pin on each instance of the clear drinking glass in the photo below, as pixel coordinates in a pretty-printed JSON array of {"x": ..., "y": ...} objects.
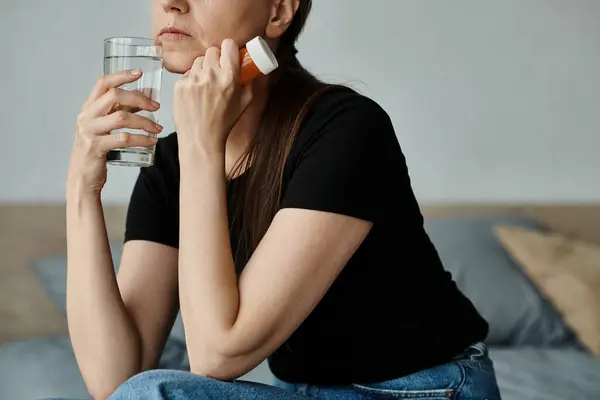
[{"x": 126, "y": 53}]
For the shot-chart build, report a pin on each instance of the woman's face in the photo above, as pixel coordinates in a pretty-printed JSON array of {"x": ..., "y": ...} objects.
[{"x": 206, "y": 23}]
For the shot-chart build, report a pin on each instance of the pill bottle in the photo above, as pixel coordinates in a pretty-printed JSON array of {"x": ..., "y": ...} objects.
[{"x": 256, "y": 59}]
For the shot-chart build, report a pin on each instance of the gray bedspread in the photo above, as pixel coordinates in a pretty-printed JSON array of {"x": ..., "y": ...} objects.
[
  {"x": 47, "y": 368},
  {"x": 546, "y": 374}
]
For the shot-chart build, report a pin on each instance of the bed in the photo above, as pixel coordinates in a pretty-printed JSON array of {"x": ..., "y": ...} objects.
[{"x": 537, "y": 355}]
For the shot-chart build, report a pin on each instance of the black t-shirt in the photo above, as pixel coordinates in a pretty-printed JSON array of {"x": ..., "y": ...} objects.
[{"x": 393, "y": 310}]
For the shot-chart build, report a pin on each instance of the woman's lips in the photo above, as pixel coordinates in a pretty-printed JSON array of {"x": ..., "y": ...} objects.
[
  {"x": 172, "y": 33},
  {"x": 174, "y": 36}
]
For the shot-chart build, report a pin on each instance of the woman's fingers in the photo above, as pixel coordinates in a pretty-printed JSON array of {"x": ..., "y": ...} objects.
[
  {"x": 227, "y": 57},
  {"x": 123, "y": 140},
  {"x": 196, "y": 69},
  {"x": 212, "y": 57},
  {"x": 109, "y": 81},
  {"x": 118, "y": 99},
  {"x": 230, "y": 57},
  {"x": 120, "y": 120}
]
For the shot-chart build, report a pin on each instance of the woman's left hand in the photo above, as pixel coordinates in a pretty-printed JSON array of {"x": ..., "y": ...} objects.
[{"x": 209, "y": 100}]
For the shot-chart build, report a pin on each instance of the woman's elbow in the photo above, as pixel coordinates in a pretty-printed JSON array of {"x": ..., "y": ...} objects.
[
  {"x": 101, "y": 392},
  {"x": 218, "y": 366}
]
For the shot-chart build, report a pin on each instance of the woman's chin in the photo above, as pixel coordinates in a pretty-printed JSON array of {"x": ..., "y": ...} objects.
[{"x": 178, "y": 63}]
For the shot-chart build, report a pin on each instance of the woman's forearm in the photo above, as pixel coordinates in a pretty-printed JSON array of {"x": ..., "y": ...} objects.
[
  {"x": 105, "y": 339},
  {"x": 207, "y": 279}
]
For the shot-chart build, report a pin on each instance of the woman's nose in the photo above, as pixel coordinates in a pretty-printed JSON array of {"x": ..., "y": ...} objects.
[{"x": 178, "y": 6}]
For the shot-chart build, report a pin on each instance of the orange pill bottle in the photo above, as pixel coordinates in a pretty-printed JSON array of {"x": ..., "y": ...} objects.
[{"x": 256, "y": 59}]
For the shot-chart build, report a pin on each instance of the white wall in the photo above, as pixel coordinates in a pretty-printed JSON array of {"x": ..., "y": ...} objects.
[{"x": 492, "y": 100}]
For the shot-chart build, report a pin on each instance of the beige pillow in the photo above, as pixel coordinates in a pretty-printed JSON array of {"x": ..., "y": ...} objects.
[{"x": 566, "y": 271}]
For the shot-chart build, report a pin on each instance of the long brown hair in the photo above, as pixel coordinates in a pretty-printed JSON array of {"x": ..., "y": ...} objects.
[{"x": 293, "y": 92}]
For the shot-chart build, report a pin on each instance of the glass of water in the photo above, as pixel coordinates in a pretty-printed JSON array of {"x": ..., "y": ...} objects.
[{"x": 126, "y": 53}]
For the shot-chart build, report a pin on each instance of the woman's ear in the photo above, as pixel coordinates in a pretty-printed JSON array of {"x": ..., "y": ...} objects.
[{"x": 282, "y": 15}]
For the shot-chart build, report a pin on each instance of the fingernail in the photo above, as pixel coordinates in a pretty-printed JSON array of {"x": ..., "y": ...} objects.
[
  {"x": 154, "y": 104},
  {"x": 159, "y": 127},
  {"x": 136, "y": 72}
]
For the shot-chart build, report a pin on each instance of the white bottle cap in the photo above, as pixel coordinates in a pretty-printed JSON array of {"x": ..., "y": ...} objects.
[{"x": 262, "y": 55}]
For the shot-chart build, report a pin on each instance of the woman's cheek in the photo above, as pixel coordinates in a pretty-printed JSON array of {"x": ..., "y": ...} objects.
[{"x": 178, "y": 61}]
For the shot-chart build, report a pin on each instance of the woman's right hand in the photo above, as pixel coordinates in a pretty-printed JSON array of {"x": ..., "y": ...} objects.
[{"x": 108, "y": 108}]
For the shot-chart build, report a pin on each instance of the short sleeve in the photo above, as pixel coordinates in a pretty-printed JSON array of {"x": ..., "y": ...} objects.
[
  {"x": 153, "y": 213},
  {"x": 340, "y": 160}
]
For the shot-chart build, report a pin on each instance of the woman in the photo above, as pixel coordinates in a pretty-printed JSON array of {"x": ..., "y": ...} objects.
[{"x": 280, "y": 218}]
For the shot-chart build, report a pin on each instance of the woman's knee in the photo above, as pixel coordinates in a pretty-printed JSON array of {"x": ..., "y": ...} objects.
[
  {"x": 158, "y": 376},
  {"x": 158, "y": 385}
]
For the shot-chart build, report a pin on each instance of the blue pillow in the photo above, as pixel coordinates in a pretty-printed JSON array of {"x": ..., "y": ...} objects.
[
  {"x": 52, "y": 271},
  {"x": 42, "y": 368},
  {"x": 485, "y": 273}
]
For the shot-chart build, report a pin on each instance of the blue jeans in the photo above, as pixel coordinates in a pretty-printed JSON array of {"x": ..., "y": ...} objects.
[{"x": 470, "y": 376}]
